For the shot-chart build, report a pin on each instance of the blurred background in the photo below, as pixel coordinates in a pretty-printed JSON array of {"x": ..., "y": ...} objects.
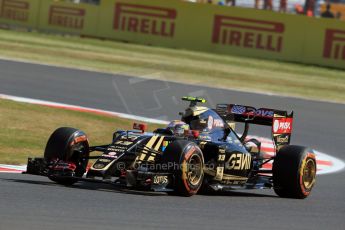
[{"x": 312, "y": 8}]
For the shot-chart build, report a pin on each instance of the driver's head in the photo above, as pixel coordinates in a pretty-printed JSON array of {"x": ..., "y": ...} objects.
[
  {"x": 178, "y": 127},
  {"x": 198, "y": 123},
  {"x": 196, "y": 118}
]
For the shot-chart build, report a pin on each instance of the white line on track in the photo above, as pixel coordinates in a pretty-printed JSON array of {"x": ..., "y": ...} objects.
[{"x": 81, "y": 109}]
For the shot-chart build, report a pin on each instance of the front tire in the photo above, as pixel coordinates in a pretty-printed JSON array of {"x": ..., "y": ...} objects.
[
  {"x": 294, "y": 172},
  {"x": 67, "y": 145},
  {"x": 187, "y": 161}
]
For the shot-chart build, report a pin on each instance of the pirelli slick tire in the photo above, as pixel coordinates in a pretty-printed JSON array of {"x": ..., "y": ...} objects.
[
  {"x": 294, "y": 172},
  {"x": 186, "y": 161},
  {"x": 71, "y": 146}
]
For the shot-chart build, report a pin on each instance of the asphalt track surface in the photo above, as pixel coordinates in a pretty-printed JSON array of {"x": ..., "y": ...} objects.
[{"x": 32, "y": 202}]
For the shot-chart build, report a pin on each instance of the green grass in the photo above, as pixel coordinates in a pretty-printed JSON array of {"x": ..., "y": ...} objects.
[
  {"x": 197, "y": 68},
  {"x": 25, "y": 128}
]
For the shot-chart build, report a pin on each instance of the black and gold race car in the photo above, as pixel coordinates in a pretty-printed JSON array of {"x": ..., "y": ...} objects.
[{"x": 199, "y": 153}]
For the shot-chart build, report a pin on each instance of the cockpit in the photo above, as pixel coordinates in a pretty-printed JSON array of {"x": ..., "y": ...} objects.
[{"x": 206, "y": 121}]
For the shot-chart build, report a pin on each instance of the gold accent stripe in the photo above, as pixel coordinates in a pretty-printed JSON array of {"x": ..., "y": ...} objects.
[
  {"x": 105, "y": 168},
  {"x": 151, "y": 141},
  {"x": 149, "y": 144},
  {"x": 210, "y": 172},
  {"x": 159, "y": 143},
  {"x": 233, "y": 177},
  {"x": 151, "y": 159},
  {"x": 142, "y": 156},
  {"x": 225, "y": 176}
]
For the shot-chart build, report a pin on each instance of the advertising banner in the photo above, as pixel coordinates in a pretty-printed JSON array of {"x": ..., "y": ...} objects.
[
  {"x": 19, "y": 12},
  {"x": 191, "y": 26},
  {"x": 68, "y": 17},
  {"x": 209, "y": 28},
  {"x": 325, "y": 43},
  {"x": 145, "y": 22},
  {"x": 257, "y": 33}
]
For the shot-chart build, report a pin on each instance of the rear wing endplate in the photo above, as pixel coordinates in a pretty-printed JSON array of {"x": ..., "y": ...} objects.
[{"x": 280, "y": 121}]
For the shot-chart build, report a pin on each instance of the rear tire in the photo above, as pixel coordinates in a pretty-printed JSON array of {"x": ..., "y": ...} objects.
[
  {"x": 294, "y": 172},
  {"x": 188, "y": 163},
  {"x": 71, "y": 146}
]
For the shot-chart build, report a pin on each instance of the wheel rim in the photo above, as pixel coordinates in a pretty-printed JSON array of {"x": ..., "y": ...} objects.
[
  {"x": 194, "y": 173},
  {"x": 309, "y": 173},
  {"x": 78, "y": 160}
]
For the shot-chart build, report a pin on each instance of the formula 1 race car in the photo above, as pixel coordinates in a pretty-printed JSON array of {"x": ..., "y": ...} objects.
[{"x": 199, "y": 153}]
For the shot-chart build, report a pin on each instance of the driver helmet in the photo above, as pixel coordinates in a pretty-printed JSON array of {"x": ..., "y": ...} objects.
[
  {"x": 178, "y": 127},
  {"x": 197, "y": 118}
]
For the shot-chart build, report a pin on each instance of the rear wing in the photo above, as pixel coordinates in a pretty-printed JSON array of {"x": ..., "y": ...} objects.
[{"x": 280, "y": 121}]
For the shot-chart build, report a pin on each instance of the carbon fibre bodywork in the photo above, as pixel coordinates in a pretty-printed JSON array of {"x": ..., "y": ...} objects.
[{"x": 210, "y": 156}]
